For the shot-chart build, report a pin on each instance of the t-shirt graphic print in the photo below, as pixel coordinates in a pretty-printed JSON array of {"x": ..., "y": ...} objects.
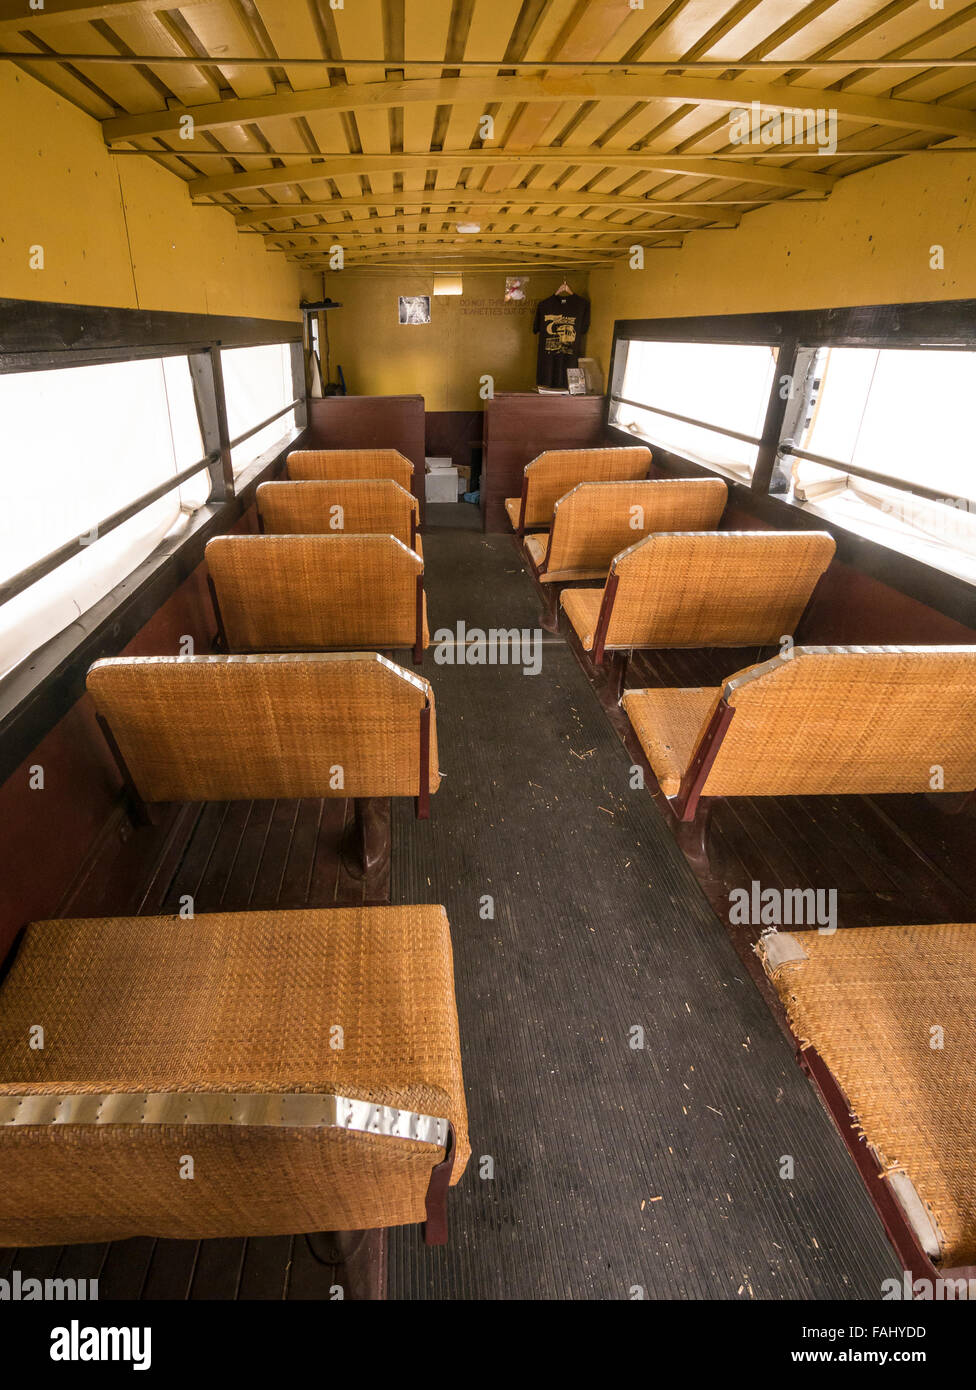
[{"x": 561, "y": 322}]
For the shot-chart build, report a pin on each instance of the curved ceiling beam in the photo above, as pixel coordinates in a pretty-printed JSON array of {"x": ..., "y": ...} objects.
[
  {"x": 413, "y": 204},
  {"x": 365, "y": 226},
  {"x": 341, "y": 165},
  {"x": 931, "y": 117}
]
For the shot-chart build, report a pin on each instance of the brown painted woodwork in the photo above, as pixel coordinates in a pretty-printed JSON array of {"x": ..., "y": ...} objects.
[
  {"x": 685, "y": 804},
  {"x": 372, "y": 422},
  {"x": 418, "y": 646},
  {"x": 603, "y": 621},
  {"x": 423, "y": 796},
  {"x": 435, "y": 1227},
  {"x": 521, "y": 425}
]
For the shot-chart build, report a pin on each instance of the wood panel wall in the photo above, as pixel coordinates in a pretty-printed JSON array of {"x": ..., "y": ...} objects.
[
  {"x": 521, "y": 425},
  {"x": 371, "y": 422}
]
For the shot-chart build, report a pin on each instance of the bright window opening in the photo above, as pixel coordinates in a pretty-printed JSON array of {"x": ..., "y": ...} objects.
[
  {"x": 722, "y": 389},
  {"x": 903, "y": 415},
  {"x": 76, "y": 446},
  {"x": 257, "y": 383}
]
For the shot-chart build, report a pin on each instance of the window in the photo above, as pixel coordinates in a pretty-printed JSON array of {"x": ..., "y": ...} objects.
[
  {"x": 257, "y": 383},
  {"x": 720, "y": 389},
  {"x": 77, "y": 445},
  {"x": 903, "y": 415}
]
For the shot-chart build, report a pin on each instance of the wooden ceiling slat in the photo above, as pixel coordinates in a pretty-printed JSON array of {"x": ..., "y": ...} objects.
[
  {"x": 61, "y": 80},
  {"x": 569, "y": 134},
  {"x": 126, "y": 86},
  {"x": 587, "y": 34},
  {"x": 144, "y": 32},
  {"x": 293, "y": 33},
  {"x": 337, "y": 166},
  {"x": 486, "y": 40},
  {"x": 426, "y": 30},
  {"x": 548, "y": 94},
  {"x": 221, "y": 29}
]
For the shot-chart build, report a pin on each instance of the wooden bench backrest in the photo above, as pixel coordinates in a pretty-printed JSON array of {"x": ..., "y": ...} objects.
[
  {"x": 311, "y": 465},
  {"x": 552, "y": 474},
  {"x": 850, "y": 720},
  {"x": 228, "y": 728},
  {"x": 714, "y": 588},
  {"x": 299, "y": 593},
  {"x": 347, "y": 506},
  {"x": 595, "y": 521}
]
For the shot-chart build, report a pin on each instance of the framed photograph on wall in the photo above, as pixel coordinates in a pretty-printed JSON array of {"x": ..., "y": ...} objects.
[{"x": 414, "y": 308}]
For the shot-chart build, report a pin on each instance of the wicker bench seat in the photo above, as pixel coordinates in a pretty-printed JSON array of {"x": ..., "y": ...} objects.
[
  {"x": 700, "y": 589},
  {"x": 316, "y": 593},
  {"x": 308, "y": 465},
  {"x": 213, "y": 1040},
  {"x": 241, "y": 728},
  {"x": 863, "y": 1003},
  {"x": 594, "y": 522},
  {"x": 344, "y": 506},
  {"x": 553, "y": 473},
  {"x": 826, "y": 721}
]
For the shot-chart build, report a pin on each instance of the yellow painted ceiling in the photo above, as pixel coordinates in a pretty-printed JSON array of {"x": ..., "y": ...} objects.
[{"x": 568, "y": 130}]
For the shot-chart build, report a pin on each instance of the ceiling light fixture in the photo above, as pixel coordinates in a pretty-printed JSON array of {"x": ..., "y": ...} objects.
[
  {"x": 448, "y": 284},
  {"x": 469, "y": 227}
]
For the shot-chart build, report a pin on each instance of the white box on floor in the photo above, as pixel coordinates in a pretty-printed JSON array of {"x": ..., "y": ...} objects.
[
  {"x": 437, "y": 464},
  {"x": 442, "y": 485}
]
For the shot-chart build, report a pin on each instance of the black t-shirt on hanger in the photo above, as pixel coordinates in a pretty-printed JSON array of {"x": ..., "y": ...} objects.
[{"x": 561, "y": 322}]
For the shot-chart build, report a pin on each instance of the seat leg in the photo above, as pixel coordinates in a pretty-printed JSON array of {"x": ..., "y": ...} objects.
[
  {"x": 366, "y": 844},
  {"x": 617, "y": 675},
  {"x": 692, "y": 835},
  {"x": 435, "y": 1227},
  {"x": 357, "y": 1259},
  {"x": 549, "y": 611},
  {"x": 611, "y": 679}
]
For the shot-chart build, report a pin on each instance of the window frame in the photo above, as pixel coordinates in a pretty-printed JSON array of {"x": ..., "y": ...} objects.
[
  {"x": 938, "y": 324},
  {"x": 37, "y": 692}
]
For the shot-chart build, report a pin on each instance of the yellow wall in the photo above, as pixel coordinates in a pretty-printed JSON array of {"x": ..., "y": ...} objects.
[
  {"x": 119, "y": 231},
  {"x": 469, "y": 336},
  {"x": 868, "y": 243}
]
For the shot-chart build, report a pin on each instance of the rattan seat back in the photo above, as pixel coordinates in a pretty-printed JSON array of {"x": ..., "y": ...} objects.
[
  {"x": 305, "y": 465},
  {"x": 340, "y": 507},
  {"x": 714, "y": 589},
  {"x": 308, "y": 593},
  {"x": 593, "y": 522},
  {"x": 227, "y": 728},
  {"x": 835, "y": 720},
  {"x": 553, "y": 473}
]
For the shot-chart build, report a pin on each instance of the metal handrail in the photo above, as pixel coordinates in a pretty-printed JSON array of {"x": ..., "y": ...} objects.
[
  {"x": 270, "y": 420},
  {"x": 687, "y": 420},
  {"x": 932, "y": 494}
]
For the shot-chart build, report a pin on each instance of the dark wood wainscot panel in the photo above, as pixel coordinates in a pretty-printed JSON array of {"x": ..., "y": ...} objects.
[
  {"x": 521, "y": 425},
  {"x": 371, "y": 422}
]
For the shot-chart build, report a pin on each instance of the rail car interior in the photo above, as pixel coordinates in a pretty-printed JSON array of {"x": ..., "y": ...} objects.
[{"x": 488, "y": 655}]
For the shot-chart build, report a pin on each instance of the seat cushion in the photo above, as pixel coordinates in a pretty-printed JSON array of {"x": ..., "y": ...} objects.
[
  {"x": 582, "y": 608},
  {"x": 669, "y": 725},
  {"x": 867, "y": 999},
  {"x": 239, "y": 1002},
  {"x": 513, "y": 505}
]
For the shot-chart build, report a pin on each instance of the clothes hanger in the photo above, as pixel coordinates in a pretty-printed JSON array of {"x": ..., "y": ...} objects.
[{"x": 564, "y": 288}]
